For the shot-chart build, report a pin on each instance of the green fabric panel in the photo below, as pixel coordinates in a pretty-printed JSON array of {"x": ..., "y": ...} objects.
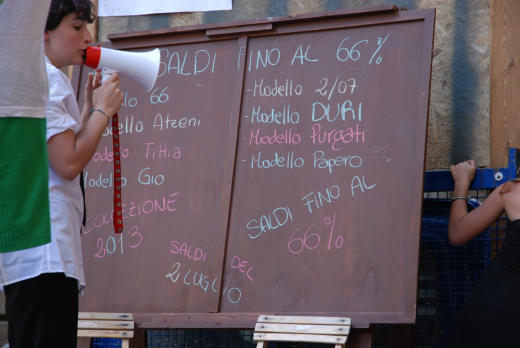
[{"x": 24, "y": 184}]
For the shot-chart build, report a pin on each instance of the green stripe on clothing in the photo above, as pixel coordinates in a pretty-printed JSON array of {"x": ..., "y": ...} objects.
[{"x": 24, "y": 184}]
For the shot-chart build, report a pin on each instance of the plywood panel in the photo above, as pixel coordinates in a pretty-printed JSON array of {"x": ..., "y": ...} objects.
[{"x": 505, "y": 79}]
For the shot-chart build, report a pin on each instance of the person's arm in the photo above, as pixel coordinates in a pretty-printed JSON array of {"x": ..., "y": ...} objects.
[
  {"x": 69, "y": 154},
  {"x": 464, "y": 226},
  {"x": 93, "y": 82}
]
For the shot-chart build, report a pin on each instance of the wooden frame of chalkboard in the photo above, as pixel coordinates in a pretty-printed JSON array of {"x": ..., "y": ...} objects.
[{"x": 277, "y": 166}]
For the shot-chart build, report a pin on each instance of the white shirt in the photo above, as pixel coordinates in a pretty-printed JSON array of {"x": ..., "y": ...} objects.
[
  {"x": 23, "y": 81},
  {"x": 63, "y": 254}
]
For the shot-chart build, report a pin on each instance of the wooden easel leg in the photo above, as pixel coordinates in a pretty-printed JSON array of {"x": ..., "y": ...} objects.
[
  {"x": 84, "y": 342},
  {"x": 400, "y": 336},
  {"x": 139, "y": 340},
  {"x": 360, "y": 338},
  {"x": 261, "y": 344}
]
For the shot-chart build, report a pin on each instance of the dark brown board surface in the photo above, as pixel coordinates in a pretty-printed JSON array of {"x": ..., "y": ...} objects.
[
  {"x": 173, "y": 159},
  {"x": 245, "y": 215}
]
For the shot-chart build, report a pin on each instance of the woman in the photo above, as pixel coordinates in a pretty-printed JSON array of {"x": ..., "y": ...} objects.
[{"x": 491, "y": 315}]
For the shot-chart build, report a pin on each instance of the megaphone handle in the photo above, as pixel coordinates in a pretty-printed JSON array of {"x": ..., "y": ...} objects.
[
  {"x": 118, "y": 209},
  {"x": 106, "y": 73}
]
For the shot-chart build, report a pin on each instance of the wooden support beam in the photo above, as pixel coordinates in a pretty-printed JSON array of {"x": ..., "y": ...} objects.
[{"x": 504, "y": 80}]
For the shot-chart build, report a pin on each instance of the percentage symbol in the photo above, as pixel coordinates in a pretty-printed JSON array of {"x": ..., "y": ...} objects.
[
  {"x": 380, "y": 44},
  {"x": 340, "y": 238}
]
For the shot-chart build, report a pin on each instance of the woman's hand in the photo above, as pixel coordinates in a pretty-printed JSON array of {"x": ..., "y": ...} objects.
[
  {"x": 108, "y": 97},
  {"x": 93, "y": 82},
  {"x": 463, "y": 172}
]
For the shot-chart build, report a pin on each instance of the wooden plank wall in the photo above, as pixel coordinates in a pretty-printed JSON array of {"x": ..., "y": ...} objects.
[{"x": 504, "y": 79}]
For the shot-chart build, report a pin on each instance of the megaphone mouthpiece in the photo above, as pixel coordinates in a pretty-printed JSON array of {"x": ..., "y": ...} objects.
[
  {"x": 142, "y": 67},
  {"x": 92, "y": 58}
]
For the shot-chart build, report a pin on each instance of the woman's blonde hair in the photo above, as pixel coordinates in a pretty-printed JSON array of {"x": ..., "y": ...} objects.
[{"x": 509, "y": 185}]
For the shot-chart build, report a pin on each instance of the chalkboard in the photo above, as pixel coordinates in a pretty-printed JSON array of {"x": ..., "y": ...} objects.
[{"x": 277, "y": 166}]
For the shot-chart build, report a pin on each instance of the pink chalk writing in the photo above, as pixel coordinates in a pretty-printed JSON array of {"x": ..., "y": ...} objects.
[
  {"x": 345, "y": 136},
  {"x": 109, "y": 156},
  {"x": 183, "y": 249},
  {"x": 111, "y": 244},
  {"x": 312, "y": 240},
  {"x": 132, "y": 209},
  {"x": 242, "y": 266},
  {"x": 161, "y": 150}
]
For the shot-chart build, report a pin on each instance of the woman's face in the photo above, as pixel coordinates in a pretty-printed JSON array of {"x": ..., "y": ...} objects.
[{"x": 67, "y": 44}]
